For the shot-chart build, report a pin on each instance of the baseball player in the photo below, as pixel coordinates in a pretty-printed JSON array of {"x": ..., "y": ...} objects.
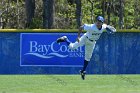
[{"x": 93, "y": 32}]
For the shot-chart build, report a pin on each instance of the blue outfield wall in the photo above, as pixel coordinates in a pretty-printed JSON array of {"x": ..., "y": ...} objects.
[{"x": 113, "y": 54}]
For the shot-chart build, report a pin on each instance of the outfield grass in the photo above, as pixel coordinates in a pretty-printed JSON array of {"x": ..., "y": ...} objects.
[{"x": 69, "y": 84}]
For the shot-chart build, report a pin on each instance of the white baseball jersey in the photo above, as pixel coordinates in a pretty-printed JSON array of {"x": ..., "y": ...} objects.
[
  {"x": 93, "y": 33},
  {"x": 88, "y": 39}
]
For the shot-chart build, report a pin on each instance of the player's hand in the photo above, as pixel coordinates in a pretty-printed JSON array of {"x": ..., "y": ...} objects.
[{"x": 78, "y": 39}]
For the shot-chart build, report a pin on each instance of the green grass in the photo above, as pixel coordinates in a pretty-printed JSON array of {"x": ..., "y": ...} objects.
[{"x": 69, "y": 84}]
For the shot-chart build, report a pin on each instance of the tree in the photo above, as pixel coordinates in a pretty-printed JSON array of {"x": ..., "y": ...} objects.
[
  {"x": 137, "y": 14},
  {"x": 48, "y": 13},
  {"x": 91, "y": 10},
  {"x": 30, "y": 10},
  {"x": 108, "y": 12},
  {"x": 103, "y": 8},
  {"x": 67, "y": 14},
  {"x": 121, "y": 14},
  {"x": 78, "y": 12}
]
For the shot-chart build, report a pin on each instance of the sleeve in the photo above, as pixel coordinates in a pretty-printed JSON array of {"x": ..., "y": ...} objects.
[
  {"x": 110, "y": 29},
  {"x": 87, "y": 27}
]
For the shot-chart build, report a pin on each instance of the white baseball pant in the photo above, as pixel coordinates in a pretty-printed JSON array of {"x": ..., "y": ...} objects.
[{"x": 89, "y": 46}]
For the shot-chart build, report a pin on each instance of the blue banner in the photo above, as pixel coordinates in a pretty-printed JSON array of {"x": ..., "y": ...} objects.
[
  {"x": 41, "y": 49},
  {"x": 113, "y": 54}
]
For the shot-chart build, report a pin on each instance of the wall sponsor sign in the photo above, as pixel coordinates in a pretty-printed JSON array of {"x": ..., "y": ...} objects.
[{"x": 41, "y": 49}]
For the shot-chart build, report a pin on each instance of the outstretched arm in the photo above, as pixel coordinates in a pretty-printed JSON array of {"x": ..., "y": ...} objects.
[{"x": 110, "y": 29}]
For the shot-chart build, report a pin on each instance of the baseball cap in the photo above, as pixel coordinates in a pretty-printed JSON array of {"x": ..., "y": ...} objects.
[{"x": 100, "y": 18}]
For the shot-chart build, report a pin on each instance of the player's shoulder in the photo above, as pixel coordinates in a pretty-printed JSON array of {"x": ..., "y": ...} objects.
[
  {"x": 104, "y": 26},
  {"x": 88, "y": 27}
]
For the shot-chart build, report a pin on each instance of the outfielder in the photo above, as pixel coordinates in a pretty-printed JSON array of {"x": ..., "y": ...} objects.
[{"x": 89, "y": 39}]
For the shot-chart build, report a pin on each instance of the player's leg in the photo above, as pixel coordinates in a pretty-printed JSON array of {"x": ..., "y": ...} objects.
[
  {"x": 89, "y": 46},
  {"x": 78, "y": 44},
  {"x": 70, "y": 44}
]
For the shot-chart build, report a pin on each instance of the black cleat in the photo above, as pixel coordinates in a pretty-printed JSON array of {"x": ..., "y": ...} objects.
[
  {"x": 61, "y": 39},
  {"x": 82, "y": 73}
]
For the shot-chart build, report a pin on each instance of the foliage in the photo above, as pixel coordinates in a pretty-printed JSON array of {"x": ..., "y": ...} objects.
[{"x": 13, "y": 15}]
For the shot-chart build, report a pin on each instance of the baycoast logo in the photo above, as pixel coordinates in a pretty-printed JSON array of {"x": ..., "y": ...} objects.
[
  {"x": 41, "y": 49},
  {"x": 50, "y": 50}
]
